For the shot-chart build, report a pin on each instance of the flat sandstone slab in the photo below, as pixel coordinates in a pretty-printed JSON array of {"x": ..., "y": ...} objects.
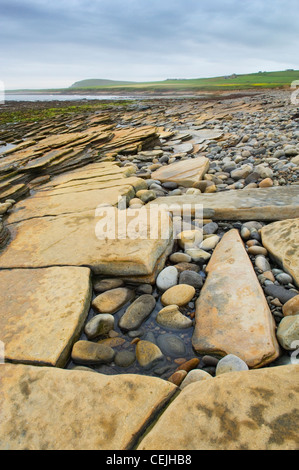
[
  {"x": 42, "y": 312},
  {"x": 185, "y": 172},
  {"x": 54, "y": 409},
  {"x": 80, "y": 240},
  {"x": 282, "y": 241},
  {"x": 251, "y": 410},
  {"x": 232, "y": 314},
  {"x": 276, "y": 203}
]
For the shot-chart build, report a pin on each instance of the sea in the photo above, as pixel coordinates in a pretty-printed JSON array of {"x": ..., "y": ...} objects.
[{"x": 45, "y": 97}]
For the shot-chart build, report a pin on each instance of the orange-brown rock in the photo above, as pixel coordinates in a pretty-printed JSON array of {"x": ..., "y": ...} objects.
[
  {"x": 232, "y": 314},
  {"x": 185, "y": 173}
]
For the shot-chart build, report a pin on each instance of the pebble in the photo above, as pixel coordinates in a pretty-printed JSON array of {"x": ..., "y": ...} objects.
[
  {"x": 178, "y": 295},
  {"x": 171, "y": 317},
  {"x": 190, "y": 238},
  {"x": 210, "y": 228},
  {"x": 86, "y": 352},
  {"x": 146, "y": 195},
  {"x": 230, "y": 363},
  {"x": 178, "y": 377},
  {"x": 137, "y": 312},
  {"x": 266, "y": 183},
  {"x": 181, "y": 267},
  {"x": 262, "y": 263},
  {"x": 180, "y": 258},
  {"x": 5, "y": 207},
  {"x": 144, "y": 289},
  {"x": 148, "y": 354},
  {"x": 167, "y": 278},
  {"x": 99, "y": 325},
  {"x": 189, "y": 365},
  {"x": 171, "y": 345},
  {"x": 191, "y": 278},
  {"x": 280, "y": 293},
  {"x": 209, "y": 243},
  {"x": 291, "y": 307},
  {"x": 124, "y": 358},
  {"x": 196, "y": 375},
  {"x": 111, "y": 301},
  {"x": 288, "y": 332},
  {"x": 210, "y": 361},
  {"x": 284, "y": 278},
  {"x": 198, "y": 255},
  {"x": 107, "y": 284},
  {"x": 257, "y": 250}
]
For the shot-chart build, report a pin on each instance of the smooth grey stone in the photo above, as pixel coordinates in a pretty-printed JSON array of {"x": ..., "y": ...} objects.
[
  {"x": 230, "y": 363},
  {"x": 137, "y": 312},
  {"x": 191, "y": 278},
  {"x": 280, "y": 293},
  {"x": 171, "y": 345},
  {"x": 124, "y": 358}
]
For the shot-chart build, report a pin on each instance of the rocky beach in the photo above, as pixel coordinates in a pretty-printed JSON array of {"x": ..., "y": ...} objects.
[{"x": 188, "y": 339}]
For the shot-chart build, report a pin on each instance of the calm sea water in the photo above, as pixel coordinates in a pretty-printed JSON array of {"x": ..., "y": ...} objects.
[{"x": 12, "y": 97}]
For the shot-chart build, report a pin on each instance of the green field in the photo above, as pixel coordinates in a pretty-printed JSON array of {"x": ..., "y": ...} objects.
[{"x": 233, "y": 82}]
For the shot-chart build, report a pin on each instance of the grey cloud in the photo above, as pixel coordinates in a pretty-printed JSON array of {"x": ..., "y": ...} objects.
[{"x": 81, "y": 37}]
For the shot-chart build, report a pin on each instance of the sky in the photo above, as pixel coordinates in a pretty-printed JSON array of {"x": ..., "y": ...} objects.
[{"x": 52, "y": 44}]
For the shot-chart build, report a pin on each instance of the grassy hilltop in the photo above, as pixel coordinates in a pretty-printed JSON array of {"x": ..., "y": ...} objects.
[{"x": 232, "y": 82}]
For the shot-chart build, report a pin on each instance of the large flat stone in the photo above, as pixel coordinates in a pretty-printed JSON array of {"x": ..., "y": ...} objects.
[
  {"x": 276, "y": 203},
  {"x": 78, "y": 240},
  {"x": 232, "y": 314},
  {"x": 185, "y": 173},
  {"x": 54, "y": 409},
  {"x": 78, "y": 191},
  {"x": 42, "y": 312},
  {"x": 252, "y": 410},
  {"x": 282, "y": 241}
]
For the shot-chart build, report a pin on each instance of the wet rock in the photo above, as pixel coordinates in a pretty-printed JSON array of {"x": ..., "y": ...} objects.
[
  {"x": 146, "y": 195},
  {"x": 124, "y": 358},
  {"x": 291, "y": 307},
  {"x": 189, "y": 365},
  {"x": 86, "y": 352},
  {"x": 231, "y": 304},
  {"x": 198, "y": 255},
  {"x": 288, "y": 332},
  {"x": 210, "y": 361},
  {"x": 99, "y": 325},
  {"x": 112, "y": 300},
  {"x": 178, "y": 377},
  {"x": 148, "y": 354},
  {"x": 178, "y": 295},
  {"x": 189, "y": 239},
  {"x": 180, "y": 258},
  {"x": 210, "y": 228},
  {"x": 279, "y": 292},
  {"x": 137, "y": 312},
  {"x": 103, "y": 285},
  {"x": 209, "y": 243},
  {"x": 262, "y": 264},
  {"x": 171, "y": 317},
  {"x": 192, "y": 279},
  {"x": 171, "y": 345}
]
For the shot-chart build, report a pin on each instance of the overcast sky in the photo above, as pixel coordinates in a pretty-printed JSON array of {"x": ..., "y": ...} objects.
[{"x": 54, "y": 43}]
